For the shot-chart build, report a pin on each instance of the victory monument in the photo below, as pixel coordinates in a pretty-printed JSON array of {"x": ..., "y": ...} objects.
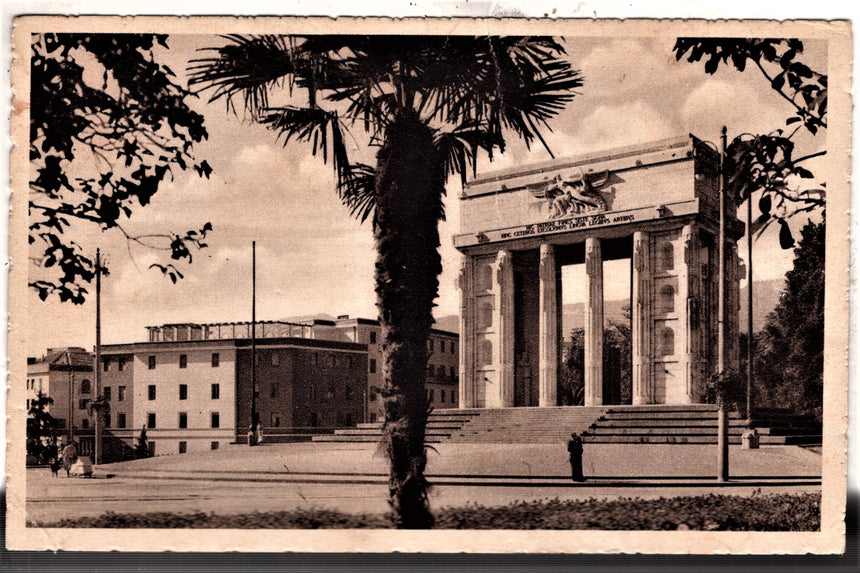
[{"x": 656, "y": 204}]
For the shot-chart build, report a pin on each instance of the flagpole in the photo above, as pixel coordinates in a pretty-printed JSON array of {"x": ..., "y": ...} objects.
[{"x": 253, "y": 341}]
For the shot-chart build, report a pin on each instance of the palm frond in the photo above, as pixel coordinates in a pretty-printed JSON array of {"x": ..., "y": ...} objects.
[
  {"x": 458, "y": 148},
  {"x": 319, "y": 127},
  {"x": 247, "y": 67},
  {"x": 357, "y": 190}
]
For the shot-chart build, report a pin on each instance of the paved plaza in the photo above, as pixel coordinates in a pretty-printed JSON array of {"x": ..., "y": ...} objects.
[{"x": 352, "y": 478}]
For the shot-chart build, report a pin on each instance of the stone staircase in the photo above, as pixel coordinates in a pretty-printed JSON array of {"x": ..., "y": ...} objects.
[
  {"x": 481, "y": 425},
  {"x": 441, "y": 424},
  {"x": 697, "y": 424}
]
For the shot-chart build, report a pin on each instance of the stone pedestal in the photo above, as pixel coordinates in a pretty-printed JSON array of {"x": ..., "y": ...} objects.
[
  {"x": 548, "y": 327},
  {"x": 593, "y": 323}
]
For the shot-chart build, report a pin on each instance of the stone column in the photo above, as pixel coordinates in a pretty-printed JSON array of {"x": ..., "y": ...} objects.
[
  {"x": 465, "y": 283},
  {"x": 504, "y": 308},
  {"x": 641, "y": 309},
  {"x": 684, "y": 345},
  {"x": 593, "y": 323},
  {"x": 548, "y": 328}
]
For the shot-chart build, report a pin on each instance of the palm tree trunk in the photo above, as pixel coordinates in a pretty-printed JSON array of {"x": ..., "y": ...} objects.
[{"x": 410, "y": 182}]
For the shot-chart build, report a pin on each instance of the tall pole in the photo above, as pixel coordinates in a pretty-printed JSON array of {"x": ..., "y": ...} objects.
[
  {"x": 98, "y": 414},
  {"x": 253, "y": 339},
  {"x": 750, "y": 370},
  {"x": 722, "y": 417},
  {"x": 71, "y": 395}
]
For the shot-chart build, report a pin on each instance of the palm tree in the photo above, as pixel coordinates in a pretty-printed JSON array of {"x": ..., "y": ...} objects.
[{"x": 429, "y": 103}]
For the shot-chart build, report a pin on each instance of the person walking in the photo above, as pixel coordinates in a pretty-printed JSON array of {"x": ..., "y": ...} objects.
[
  {"x": 70, "y": 456},
  {"x": 574, "y": 450}
]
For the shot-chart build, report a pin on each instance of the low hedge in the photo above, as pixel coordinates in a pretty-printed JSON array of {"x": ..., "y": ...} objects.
[{"x": 786, "y": 512}]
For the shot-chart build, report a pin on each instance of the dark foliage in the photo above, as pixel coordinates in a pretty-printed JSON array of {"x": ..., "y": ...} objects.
[
  {"x": 789, "y": 351},
  {"x": 100, "y": 148},
  {"x": 786, "y": 512},
  {"x": 768, "y": 164},
  {"x": 617, "y": 365}
]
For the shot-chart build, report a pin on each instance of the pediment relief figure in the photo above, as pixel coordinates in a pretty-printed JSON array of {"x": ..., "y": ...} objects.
[{"x": 576, "y": 196}]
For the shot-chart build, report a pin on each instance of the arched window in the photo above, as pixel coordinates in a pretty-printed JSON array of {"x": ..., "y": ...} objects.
[
  {"x": 665, "y": 256},
  {"x": 486, "y": 354},
  {"x": 86, "y": 386},
  {"x": 485, "y": 315},
  {"x": 666, "y": 299},
  {"x": 667, "y": 341},
  {"x": 485, "y": 277}
]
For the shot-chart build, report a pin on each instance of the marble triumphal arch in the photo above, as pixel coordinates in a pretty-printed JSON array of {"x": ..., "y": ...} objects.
[{"x": 656, "y": 204}]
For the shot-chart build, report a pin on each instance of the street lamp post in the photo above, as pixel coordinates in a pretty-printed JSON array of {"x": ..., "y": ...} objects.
[{"x": 722, "y": 415}]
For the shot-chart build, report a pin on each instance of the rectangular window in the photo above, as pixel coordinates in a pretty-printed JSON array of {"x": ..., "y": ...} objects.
[
  {"x": 451, "y": 371},
  {"x": 216, "y": 391},
  {"x": 108, "y": 393},
  {"x": 151, "y": 391},
  {"x": 150, "y": 420},
  {"x": 216, "y": 360},
  {"x": 183, "y": 447},
  {"x": 85, "y": 423},
  {"x": 151, "y": 362},
  {"x": 183, "y": 391},
  {"x": 275, "y": 419},
  {"x": 372, "y": 365},
  {"x": 213, "y": 446},
  {"x": 430, "y": 345},
  {"x": 183, "y": 361},
  {"x": 432, "y": 395},
  {"x": 82, "y": 403},
  {"x": 120, "y": 420},
  {"x": 441, "y": 346},
  {"x": 442, "y": 396},
  {"x": 120, "y": 365},
  {"x": 183, "y": 419},
  {"x": 276, "y": 359},
  {"x": 216, "y": 420},
  {"x": 453, "y": 397},
  {"x": 333, "y": 360},
  {"x": 120, "y": 394},
  {"x": 106, "y": 364},
  {"x": 273, "y": 391},
  {"x": 429, "y": 370},
  {"x": 107, "y": 420},
  {"x": 373, "y": 337}
]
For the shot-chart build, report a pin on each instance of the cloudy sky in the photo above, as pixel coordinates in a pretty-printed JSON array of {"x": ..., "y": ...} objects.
[{"x": 313, "y": 258}]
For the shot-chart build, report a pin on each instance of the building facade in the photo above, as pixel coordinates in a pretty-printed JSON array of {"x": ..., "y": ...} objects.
[{"x": 654, "y": 204}]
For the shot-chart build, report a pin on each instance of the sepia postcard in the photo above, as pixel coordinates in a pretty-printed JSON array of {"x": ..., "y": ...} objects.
[{"x": 572, "y": 286}]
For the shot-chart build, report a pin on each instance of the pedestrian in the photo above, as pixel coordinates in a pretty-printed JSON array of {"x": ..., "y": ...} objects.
[
  {"x": 749, "y": 439},
  {"x": 259, "y": 433},
  {"x": 70, "y": 456},
  {"x": 252, "y": 436},
  {"x": 574, "y": 449}
]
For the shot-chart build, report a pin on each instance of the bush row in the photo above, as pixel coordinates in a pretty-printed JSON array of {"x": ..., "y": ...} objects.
[{"x": 786, "y": 512}]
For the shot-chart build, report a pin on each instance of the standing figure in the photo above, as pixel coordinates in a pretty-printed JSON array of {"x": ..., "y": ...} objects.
[
  {"x": 70, "y": 456},
  {"x": 574, "y": 449}
]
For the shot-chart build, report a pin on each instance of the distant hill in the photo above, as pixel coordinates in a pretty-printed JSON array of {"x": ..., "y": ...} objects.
[{"x": 765, "y": 298}]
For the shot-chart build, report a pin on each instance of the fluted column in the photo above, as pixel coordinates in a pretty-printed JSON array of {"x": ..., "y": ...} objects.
[
  {"x": 548, "y": 328},
  {"x": 504, "y": 306},
  {"x": 686, "y": 307},
  {"x": 594, "y": 323},
  {"x": 465, "y": 283},
  {"x": 641, "y": 309}
]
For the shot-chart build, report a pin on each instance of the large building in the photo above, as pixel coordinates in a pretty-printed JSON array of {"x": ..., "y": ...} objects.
[
  {"x": 655, "y": 205},
  {"x": 66, "y": 376},
  {"x": 193, "y": 387}
]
